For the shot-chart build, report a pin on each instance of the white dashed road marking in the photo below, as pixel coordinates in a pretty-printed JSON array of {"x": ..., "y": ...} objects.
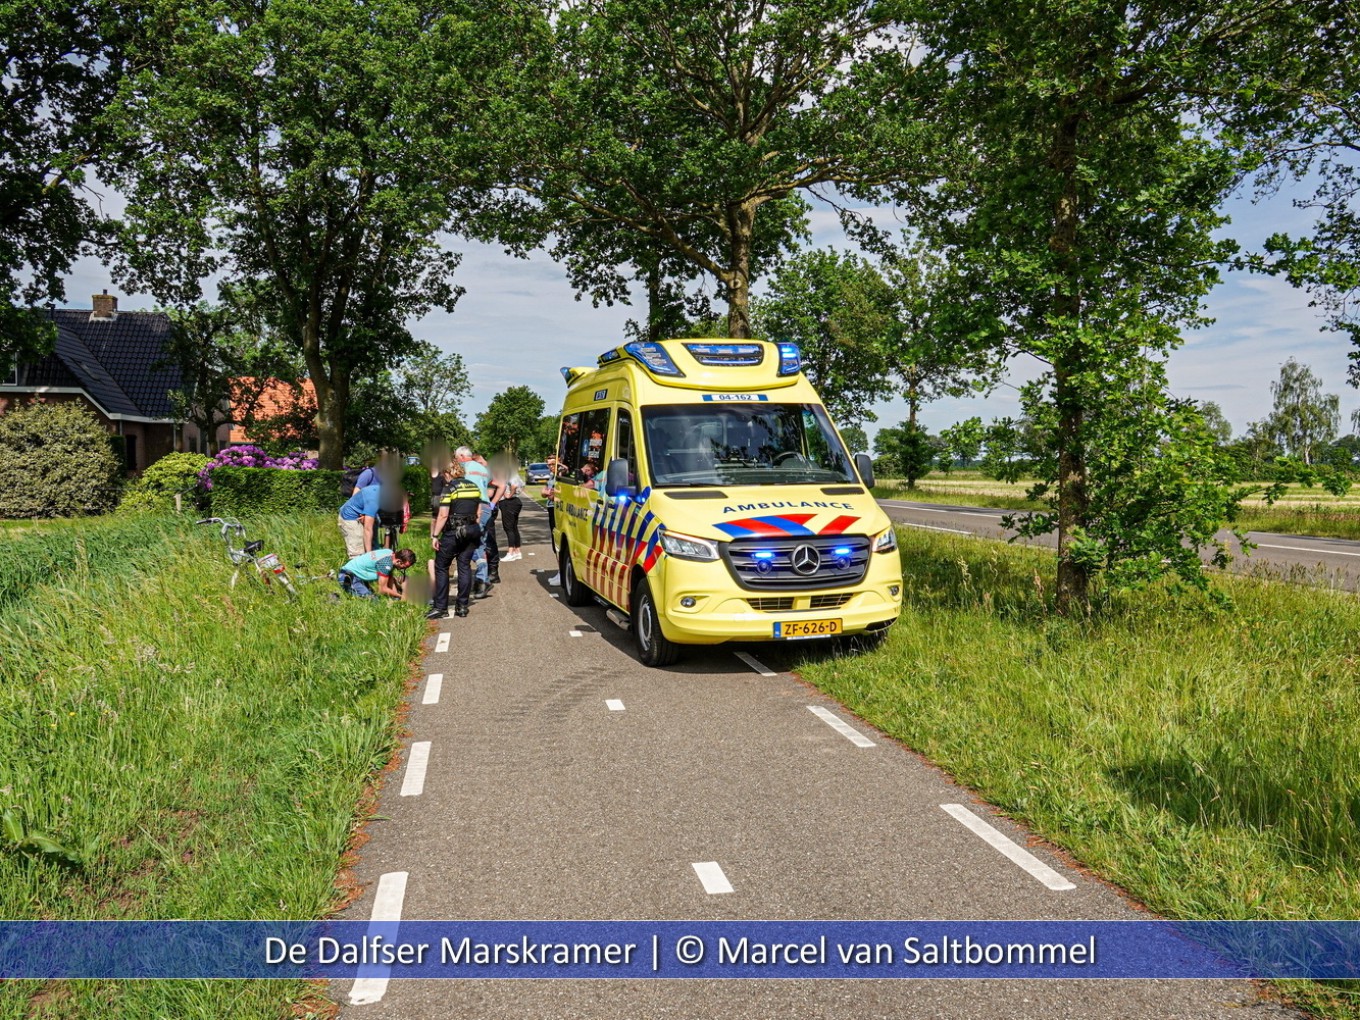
[
  {"x": 573, "y": 633},
  {"x": 1022, "y": 858},
  {"x": 442, "y": 645},
  {"x": 931, "y": 527},
  {"x": 940, "y": 510},
  {"x": 414, "y": 783},
  {"x": 433, "y": 686},
  {"x": 712, "y": 877},
  {"x": 1302, "y": 548},
  {"x": 755, "y": 664},
  {"x": 841, "y": 726},
  {"x": 370, "y": 983},
  {"x": 614, "y": 704}
]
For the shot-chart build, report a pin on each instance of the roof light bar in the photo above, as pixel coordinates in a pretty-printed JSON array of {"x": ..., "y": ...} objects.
[{"x": 653, "y": 356}]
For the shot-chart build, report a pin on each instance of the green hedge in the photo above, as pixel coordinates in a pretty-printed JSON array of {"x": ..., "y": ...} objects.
[
  {"x": 417, "y": 482},
  {"x": 237, "y": 490}
]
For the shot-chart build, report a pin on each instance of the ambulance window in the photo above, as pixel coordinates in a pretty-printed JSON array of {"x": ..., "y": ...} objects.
[
  {"x": 584, "y": 441},
  {"x": 627, "y": 446},
  {"x": 569, "y": 447}
]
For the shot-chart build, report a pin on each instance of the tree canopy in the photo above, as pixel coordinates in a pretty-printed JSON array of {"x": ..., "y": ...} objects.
[
  {"x": 308, "y": 150},
  {"x": 682, "y": 126},
  {"x": 59, "y": 66},
  {"x": 1079, "y": 218}
]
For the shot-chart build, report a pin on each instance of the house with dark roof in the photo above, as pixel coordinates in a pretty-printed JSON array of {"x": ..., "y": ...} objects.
[{"x": 110, "y": 361}]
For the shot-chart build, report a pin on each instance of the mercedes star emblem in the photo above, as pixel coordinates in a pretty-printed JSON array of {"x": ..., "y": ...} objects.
[{"x": 806, "y": 559}]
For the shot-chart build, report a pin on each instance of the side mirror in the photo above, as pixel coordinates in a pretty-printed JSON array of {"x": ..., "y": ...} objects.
[
  {"x": 616, "y": 478},
  {"x": 864, "y": 464}
]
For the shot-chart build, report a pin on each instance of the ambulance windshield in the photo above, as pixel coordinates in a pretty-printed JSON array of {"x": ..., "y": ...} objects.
[{"x": 743, "y": 444}]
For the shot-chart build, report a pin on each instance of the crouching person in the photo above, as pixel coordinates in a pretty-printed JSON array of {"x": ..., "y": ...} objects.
[{"x": 370, "y": 573}]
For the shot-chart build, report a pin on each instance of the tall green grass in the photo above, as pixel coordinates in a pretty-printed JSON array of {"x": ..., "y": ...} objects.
[
  {"x": 1324, "y": 520},
  {"x": 1206, "y": 761},
  {"x": 193, "y": 750}
]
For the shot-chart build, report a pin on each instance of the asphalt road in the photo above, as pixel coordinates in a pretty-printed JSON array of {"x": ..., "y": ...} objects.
[
  {"x": 567, "y": 781},
  {"x": 1331, "y": 562}
]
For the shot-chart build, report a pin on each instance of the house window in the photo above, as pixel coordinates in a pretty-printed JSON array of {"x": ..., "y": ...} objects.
[
  {"x": 130, "y": 444},
  {"x": 11, "y": 378}
]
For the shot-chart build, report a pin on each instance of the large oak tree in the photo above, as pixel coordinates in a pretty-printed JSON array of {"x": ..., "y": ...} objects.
[
  {"x": 1081, "y": 220},
  {"x": 310, "y": 151},
  {"x": 681, "y": 123}
]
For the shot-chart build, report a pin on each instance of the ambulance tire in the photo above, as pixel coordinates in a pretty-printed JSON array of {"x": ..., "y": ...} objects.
[
  {"x": 653, "y": 648},
  {"x": 574, "y": 593}
]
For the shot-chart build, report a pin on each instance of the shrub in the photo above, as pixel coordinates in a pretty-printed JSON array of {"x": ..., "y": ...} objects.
[
  {"x": 261, "y": 490},
  {"x": 155, "y": 490},
  {"x": 254, "y": 457},
  {"x": 264, "y": 490},
  {"x": 55, "y": 461},
  {"x": 416, "y": 480}
]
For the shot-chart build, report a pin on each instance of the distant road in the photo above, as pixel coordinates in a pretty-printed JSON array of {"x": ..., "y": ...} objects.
[{"x": 1334, "y": 562}]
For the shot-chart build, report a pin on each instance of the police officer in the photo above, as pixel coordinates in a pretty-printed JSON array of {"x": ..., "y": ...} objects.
[{"x": 456, "y": 535}]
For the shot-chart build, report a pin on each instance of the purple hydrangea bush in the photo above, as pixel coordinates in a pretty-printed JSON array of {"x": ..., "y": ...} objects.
[{"x": 253, "y": 456}]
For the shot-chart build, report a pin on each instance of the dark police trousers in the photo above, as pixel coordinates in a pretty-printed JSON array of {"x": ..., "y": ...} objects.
[{"x": 459, "y": 541}]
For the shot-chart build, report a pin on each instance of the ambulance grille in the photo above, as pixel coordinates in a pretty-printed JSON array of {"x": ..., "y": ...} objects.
[
  {"x": 777, "y": 604},
  {"x": 831, "y": 601},
  {"x": 797, "y": 562}
]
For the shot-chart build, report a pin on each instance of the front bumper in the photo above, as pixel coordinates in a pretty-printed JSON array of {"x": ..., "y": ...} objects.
[{"x": 725, "y": 612}]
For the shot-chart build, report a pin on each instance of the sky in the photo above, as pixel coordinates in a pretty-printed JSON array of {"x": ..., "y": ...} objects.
[{"x": 519, "y": 322}]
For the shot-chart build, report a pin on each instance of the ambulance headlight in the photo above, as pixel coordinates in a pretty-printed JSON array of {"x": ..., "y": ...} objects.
[
  {"x": 687, "y": 547},
  {"x": 886, "y": 542}
]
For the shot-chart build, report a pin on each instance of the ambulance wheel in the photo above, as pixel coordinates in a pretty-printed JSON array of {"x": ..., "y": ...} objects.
[
  {"x": 653, "y": 648},
  {"x": 574, "y": 593}
]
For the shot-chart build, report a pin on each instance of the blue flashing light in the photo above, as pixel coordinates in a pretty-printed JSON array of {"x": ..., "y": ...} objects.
[
  {"x": 566, "y": 374},
  {"x": 653, "y": 356},
  {"x": 609, "y": 356},
  {"x": 727, "y": 355},
  {"x": 790, "y": 359},
  {"x": 841, "y": 550},
  {"x": 764, "y": 554}
]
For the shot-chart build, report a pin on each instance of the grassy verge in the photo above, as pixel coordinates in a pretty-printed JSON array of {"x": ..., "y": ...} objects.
[
  {"x": 1299, "y": 512},
  {"x": 992, "y": 496},
  {"x": 199, "y": 749},
  {"x": 1320, "y": 519},
  {"x": 1202, "y": 760}
]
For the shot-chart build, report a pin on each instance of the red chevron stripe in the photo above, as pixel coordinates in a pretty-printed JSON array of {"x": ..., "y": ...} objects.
[{"x": 838, "y": 526}]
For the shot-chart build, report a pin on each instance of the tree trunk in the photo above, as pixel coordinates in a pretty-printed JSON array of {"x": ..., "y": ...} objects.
[
  {"x": 1073, "y": 591},
  {"x": 332, "y": 398},
  {"x": 741, "y": 223},
  {"x": 655, "y": 311}
]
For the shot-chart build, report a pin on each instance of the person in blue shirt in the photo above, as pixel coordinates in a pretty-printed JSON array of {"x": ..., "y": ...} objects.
[
  {"x": 358, "y": 520},
  {"x": 369, "y": 570}
]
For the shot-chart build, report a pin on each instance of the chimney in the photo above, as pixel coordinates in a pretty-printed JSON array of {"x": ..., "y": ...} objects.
[{"x": 105, "y": 306}]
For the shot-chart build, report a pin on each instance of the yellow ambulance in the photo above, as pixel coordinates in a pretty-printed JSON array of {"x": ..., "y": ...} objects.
[{"x": 704, "y": 494}]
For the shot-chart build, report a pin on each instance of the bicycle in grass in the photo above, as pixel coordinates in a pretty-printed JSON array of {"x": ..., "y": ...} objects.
[{"x": 270, "y": 570}]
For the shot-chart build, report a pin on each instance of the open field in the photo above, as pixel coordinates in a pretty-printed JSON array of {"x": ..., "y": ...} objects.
[
  {"x": 1300, "y": 511},
  {"x": 192, "y": 750},
  {"x": 1202, "y": 760}
]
